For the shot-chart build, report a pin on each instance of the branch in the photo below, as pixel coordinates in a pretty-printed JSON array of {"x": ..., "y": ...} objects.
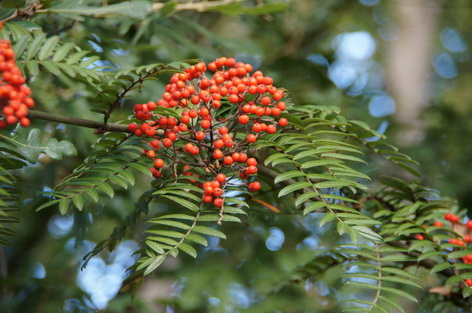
[
  {"x": 98, "y": 126},
  {"x": 198, "y": 6}
]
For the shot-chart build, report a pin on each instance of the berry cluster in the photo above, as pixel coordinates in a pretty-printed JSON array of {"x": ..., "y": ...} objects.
[
  {"x": 465, "y": 239},
  {"x": 208, "y": 121},
  {"x": 14, "y": 95}
]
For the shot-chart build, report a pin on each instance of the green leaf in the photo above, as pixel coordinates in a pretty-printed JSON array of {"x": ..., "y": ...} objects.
[
  {"x": 459, "y": 254},
  {"x": 78, "y": 201},
  {"x": 76, "y": 57},
  {"x": 185, "y": 203},
  {"x": 291, "y": 188},
  {"x": 63, "y": 206},
  {"x": 327, "y": 217},
  {"x": 311, "y": 164},
  {"x": 273, "y": 157},
  {"x": 313, "y": 207},
  {"x": 338, "y": 184},
  {"x": 62, "y": 52},
  {"x": 197, "y": 239},
  {"x": 32, "y": 67},
  {"x": 287, "y": 175},
  {"x": 170, "y": 223},
  {"x": 429, "y": 254},
  {"x": 33, "y": 48},
  {"x": 28, "y": 143},
  {"x": 343, "y": 157},
  {"x": 441, "y": 267},
  {"x": 187, "y": 249},
  {"x": 92, "y": 193},
  {"x": 51, "y": 67},
  {"x": 47, "y": 48},
  {"x": 106, "y": 188},
  {"x": 155, "y": 264},
  {"x": 21, "y": 45},
  {"x": 368, "y": 233},
  {"x": 453, "y": 280},
  {"x": 208, "y": 231},
  {"x": 304, "y": 197},
  {"x": 154, "y": 246},
  {"x": 47, "y": 204},
  {"x": 400, "y": 293}
]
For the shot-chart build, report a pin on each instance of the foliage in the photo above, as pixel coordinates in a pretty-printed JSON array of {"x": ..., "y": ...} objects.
[{"x": 377, "y": 248}]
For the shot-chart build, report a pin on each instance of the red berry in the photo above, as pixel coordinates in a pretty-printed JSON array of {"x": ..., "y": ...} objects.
[
  {"x": 215, "y": 184},
  {"x": 24, "y": 122},
  {"x": 154, "y": 143},
  {"x": 193, "y": 113},
  {"x": 185, "y": 119},
  {"x": 256, "y": 127},
  {"x": 207, "y": 198},
  {"x": 208, "y": 191},
  {"x": 251, "y": 162},
  {"x": 265, "y": 100},
  {"x": 131, "y": 127},
  {"x": 236, "y": 156},
  {"x": 243, "y": 119},
  {"x": 469, "y": 224},
  {"x": 219, "y": 144},
  {"x": 283, "y": 122},
  {"x": 281, "y": 105},
  {"x": 200, "y": 135},
  {"x": 158, "y": 163},
  {"x": 271, "y": 129},
  {"x": 218, "y": 202},
  {"x": 438, "y": 224},
  {"x": 468, "y": 239},
  {"x": 205, "y": 124},
  {"x": 221, "y": 178},
  {"x": 166, "y": 142},
  {"x": 217, "y": 192},
  {"x": 255, "y": 186},
  {"x": 223, "y": 130},
  {"x": 217, "y": 154},
  {"x": 228, "y": 160},
  {"x": 251, "y": 138}
]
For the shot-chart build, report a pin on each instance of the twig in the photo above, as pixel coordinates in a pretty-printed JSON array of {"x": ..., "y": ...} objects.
[
  {"x": 98, "y": 126},
  {"x": 197, "y": 6}
]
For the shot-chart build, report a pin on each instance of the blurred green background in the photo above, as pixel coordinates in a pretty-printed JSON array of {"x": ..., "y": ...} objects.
[{"x": 402, "y": 66}]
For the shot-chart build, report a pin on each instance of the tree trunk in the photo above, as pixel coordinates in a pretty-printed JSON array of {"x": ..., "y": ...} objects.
[{"x": 409, "y": 64}]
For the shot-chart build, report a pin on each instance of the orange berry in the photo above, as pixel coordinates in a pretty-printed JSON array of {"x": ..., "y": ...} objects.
[
  {"x": 218, "y": 202},
  {"x": 228, "y": 160},
  {"x": 283, "y": 122},
  {"x": 217, "y": 154},
  {"x": 200, "y": 135},
  {"x": 221, "y": 178},
  {"x": 158, "y": 163},
  {"x": 254, "y": 186},
  {"x": 251, "y": 138}
]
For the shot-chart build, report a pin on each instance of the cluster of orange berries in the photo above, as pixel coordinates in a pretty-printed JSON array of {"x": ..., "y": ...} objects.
[
  {"x": 466, "y": 239},
  {"x": 14, "y": 95},
  {"x": 216, "y": 117}
]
